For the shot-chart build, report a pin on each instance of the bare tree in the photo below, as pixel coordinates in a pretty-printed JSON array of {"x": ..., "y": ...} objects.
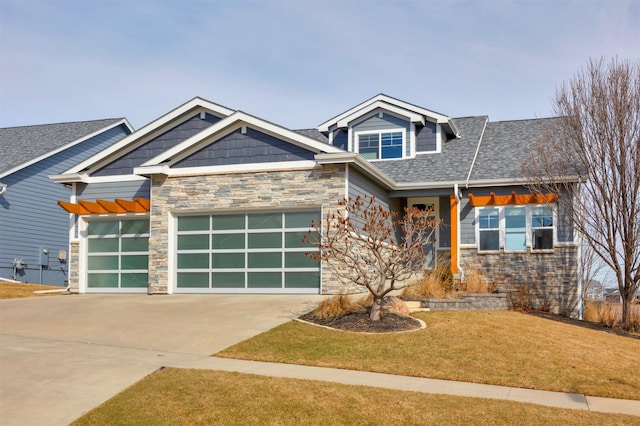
[
  {"x": 591, "y": 267},
  {"x": 367, "y": 245},
  {"x": 598, "y": 139}
]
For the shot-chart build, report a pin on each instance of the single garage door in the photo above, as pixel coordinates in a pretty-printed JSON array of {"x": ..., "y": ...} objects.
[
  {"x": 246, "y": 252},
  {"x": 118, "y": 255}
]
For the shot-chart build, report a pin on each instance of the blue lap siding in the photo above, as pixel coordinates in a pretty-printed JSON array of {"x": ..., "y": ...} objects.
[{"x": 30, "y": 219}]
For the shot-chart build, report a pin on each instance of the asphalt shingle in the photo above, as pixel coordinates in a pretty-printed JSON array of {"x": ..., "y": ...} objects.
[
  {"x": 20, "y": 145},
  {"x": 451, "y": 164},
  {"x": 506, "y": 144}
]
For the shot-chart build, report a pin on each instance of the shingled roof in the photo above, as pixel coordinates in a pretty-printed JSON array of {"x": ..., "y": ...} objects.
[
  {"x": 505, "y": 145},
  {"x": 451, "y": 164},
  {"x": 22, "y": 145}
]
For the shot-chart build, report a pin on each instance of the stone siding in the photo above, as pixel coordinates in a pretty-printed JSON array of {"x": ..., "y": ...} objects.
[
  {"x": 74, "y": 265},
  {"x": 314, "y": 188},
  {"x": 469, "y": 302},
  {"x": 546, "y": 281}
]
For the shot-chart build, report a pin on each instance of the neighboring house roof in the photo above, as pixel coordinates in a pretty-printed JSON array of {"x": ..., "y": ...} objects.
[{"x": 23, "y": 146}]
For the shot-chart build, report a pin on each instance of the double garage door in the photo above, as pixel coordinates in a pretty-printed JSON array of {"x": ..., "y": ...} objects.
[{"x": 227, "y": 253}]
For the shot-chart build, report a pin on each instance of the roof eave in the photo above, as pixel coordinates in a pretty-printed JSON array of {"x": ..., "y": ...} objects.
[
  {"x": 70, "y": 178},
  {"x": 360, "y": 162}
]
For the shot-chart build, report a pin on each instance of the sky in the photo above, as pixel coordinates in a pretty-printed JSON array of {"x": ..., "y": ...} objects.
[{"x": 299, "y": 63}]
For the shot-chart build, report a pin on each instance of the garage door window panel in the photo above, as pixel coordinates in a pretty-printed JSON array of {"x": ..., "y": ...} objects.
[
  {"x": 117, "y": 253},
  {"x": 193, "y": 279},
  {"x": 227, "y": 280},
  {"x": 227, "y": 241},
  {"x": 193, "y": 261},
  {"x": 264, "y": 279},
  {"x": 302, "y": 279}
]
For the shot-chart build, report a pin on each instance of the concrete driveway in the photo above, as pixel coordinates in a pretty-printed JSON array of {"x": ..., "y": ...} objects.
[{"x": 62, "y": 356}]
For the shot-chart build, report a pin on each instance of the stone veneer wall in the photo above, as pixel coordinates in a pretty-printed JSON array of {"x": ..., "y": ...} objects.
[
  {"x": 74, "y": 264},
  {"x": 547, "y": 280},
  {"x": 240, "y": 192}
]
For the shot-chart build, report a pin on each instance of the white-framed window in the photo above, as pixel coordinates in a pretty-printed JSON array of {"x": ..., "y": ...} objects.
[
  {"x": 489, "y": 229},
  {"x": 542, "y": 228},
  {"x": 381, "y": 144},
  {"x": 515, "y": 228}
]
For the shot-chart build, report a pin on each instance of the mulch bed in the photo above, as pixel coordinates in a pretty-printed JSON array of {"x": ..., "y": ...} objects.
[
  {"x": 586, "y": 324},
  {"x": 360, "y": 322}
]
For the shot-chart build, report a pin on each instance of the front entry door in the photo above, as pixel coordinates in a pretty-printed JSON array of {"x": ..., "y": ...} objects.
[{"x": 430, "y": 246}]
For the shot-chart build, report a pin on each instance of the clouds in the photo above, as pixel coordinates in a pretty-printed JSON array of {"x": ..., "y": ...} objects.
[{"x": 297, "y": 63}]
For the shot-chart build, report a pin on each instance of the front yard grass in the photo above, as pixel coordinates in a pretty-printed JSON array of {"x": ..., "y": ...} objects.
[
  {"x": 493, "y": 347},
  {"x": 182, "y": 397},
  {"x": 16, "y": 290}
]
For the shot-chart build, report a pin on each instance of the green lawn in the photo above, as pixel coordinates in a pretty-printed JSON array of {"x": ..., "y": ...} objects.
[
  {"x": 495, "y": 347},
  {"x": 199, "y": 397}
]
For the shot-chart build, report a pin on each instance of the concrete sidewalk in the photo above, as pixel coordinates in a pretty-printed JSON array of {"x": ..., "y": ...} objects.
[{"x": 417, "y": 384}]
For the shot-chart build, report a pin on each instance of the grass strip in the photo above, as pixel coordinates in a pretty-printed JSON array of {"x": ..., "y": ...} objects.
[
  {"x": 493, "y": 347},
  {"x": 181, "y": 397}
]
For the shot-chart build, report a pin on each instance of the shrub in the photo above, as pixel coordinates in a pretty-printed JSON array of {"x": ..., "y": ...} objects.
[
  {"x": 521, "y": 297},
  {"x": 634, "y": 322},
  {"x": 600, "y": 312},
  {"x": 340, "y": 305},
  {"x": 475, "y": 282},
  {"x": 435, "y": 283}
]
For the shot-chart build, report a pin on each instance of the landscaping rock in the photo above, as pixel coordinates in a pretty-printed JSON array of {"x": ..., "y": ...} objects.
[{"x": 394, "y": 305}]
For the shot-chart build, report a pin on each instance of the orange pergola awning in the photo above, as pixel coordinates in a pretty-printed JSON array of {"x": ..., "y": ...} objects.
[
  {"x": 513, "y": 198},
  {"x": 138, "y": 205}
]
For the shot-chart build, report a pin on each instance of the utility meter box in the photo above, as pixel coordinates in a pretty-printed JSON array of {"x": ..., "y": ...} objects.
[{"x": 44, "y": 256}]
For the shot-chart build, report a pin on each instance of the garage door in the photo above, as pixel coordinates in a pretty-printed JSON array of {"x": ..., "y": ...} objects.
[
  {"x": 246, "y": 252},
  {"x": 118, "y": 255}
]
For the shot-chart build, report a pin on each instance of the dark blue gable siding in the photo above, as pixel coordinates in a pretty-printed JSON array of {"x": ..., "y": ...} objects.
[
  {"x": 341, "y": 139},
  {"x": 251, "y": 147},
  {"x": 125, "y": 164},
  {"x": 426, "y": 137},
  {"x": 31, "y": 220}
]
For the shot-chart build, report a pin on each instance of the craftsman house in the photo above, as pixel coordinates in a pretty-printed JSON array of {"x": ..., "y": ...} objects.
[
  {"x": 206, "y": 199},
  {"x": 34, "y": 232}
]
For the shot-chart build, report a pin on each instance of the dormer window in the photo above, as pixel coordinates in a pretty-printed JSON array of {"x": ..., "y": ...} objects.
[{"x": 376, "y": 145}]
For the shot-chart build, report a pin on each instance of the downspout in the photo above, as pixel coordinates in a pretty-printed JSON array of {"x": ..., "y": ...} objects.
[{"x": 476, "y": 154}]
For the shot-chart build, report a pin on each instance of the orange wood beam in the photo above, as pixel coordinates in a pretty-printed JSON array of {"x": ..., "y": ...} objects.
[
  {"x": 73, "y": 208},
  {"x": 140, "y": 205},
  {"x": 513, "y": 198},
  {"x": 131, "y": 206},
  {"x": 93, "y": 207},
  {"x": 144, "y": 202},
  {"x": 111, "y": 206}
]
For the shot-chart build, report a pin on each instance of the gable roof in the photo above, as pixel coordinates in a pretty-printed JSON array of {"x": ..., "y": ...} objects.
[
  {"x": 26, "y": 145},
  {"x": 161, "y": 123},
  {"x": 163, "y": 162},
  {"x": 413, "y": 112}
]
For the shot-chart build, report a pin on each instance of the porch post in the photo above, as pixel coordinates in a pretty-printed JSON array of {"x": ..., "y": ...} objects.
[{"x": 453, "y": 205}]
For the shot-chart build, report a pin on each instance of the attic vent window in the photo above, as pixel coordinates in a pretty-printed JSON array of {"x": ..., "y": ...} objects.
[{"x": 203, "y": 115}]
